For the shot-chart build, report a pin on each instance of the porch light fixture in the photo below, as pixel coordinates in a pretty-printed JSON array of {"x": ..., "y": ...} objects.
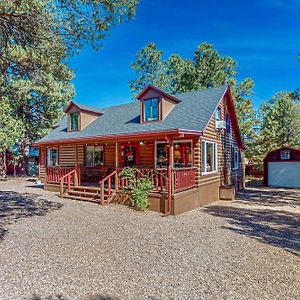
[{"x": 142, "y": 143}]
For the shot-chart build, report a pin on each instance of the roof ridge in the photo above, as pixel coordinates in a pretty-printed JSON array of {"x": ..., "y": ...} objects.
[{"x": 225, "y": 85}]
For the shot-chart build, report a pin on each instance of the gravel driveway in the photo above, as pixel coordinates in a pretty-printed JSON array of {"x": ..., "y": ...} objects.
[{"x": 52, "y": 248}]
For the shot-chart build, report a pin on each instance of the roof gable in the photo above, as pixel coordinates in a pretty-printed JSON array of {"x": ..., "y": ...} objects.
[
  {"x": 140, "y": 96},
  {"x": 83, "y": 108}
]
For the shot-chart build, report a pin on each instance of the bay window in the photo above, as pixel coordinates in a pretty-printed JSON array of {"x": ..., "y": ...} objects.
[
  {"x": 209, "y": 157},
  {"x": 94, "y": 156},
  {"x": 151, "y": 111},
  {"x": 52, "y": 157}
]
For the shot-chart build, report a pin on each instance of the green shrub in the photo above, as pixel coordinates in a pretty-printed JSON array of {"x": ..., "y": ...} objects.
[{"x": 139, "y": 186}]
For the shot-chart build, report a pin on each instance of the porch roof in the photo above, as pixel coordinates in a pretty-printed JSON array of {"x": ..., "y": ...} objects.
[{"x": 191, "y": 114}]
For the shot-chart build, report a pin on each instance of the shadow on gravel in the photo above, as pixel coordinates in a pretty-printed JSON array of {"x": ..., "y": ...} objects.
[
  {"x": 269, "y": 197},
  {"x": 278, "y": 228},
  {"x": 14, "y": 206}
]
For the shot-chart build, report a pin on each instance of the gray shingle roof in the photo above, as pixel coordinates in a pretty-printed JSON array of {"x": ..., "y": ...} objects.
[
  {"x": 89, "y": 108},
  {"x": 193, "y": 113}
]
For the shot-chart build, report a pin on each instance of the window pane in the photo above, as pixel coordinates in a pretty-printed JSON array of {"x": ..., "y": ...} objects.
[
  {"x": 162, "y": 155},
  {"x": 203, "y": 159},
  {"x": 182, "y": 154},
  {"x": 155, "y": 109},
  {"x": 151, "y": 109},
  {"x": 74, "y": 121},
  {"x": 209, "y": 157},
  {"x": 98, "y": 157},
  {"x": 227, "y": 124},
  {"x": 89, "y": 156},
  {"x": 218, "y": 114},
  {"x": 52, "y": 157}
]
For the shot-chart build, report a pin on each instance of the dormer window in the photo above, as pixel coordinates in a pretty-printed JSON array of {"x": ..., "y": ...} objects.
[
  {"x": 151, "y": 110},
  {"x": 155, "y": 104},
  {"x": 74, "y": 121}
]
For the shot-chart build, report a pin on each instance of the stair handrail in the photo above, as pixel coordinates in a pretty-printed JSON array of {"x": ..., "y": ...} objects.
[
  {"x": 108, "y": 179},
  {"x": 68, "y": 176}
]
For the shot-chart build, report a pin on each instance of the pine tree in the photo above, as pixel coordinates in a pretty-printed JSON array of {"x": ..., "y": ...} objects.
[
  {"x": 280, "y": 122},
  {"x": 207, "y": 69}
]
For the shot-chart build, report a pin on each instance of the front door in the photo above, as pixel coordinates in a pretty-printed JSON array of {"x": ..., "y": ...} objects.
[{"x": 129, "y": 155}]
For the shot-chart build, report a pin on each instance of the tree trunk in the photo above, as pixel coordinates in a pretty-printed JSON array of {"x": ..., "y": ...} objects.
[
  {"x": 24, "y": 148},
  {"x": 3, "y": 169}
]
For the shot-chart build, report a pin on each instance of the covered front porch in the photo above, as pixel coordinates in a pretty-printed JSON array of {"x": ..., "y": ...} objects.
[{"x": 94, "y": 174}]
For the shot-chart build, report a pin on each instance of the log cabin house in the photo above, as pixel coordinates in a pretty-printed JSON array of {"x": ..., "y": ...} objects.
[{"x": 190, "y": 144}]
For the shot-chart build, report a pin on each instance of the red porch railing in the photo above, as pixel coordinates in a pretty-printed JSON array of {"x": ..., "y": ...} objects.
[
  {"x": 181, "y": 178},
  {"x": 54, "y": 174},
  {"x": 159, "y": 178},
  {"x": 184, "y": 178}
]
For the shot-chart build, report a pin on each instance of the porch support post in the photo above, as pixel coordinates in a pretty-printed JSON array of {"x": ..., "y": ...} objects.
[
  {"x": 117, "y": 166},
  {"x": 117, "y": 155},
  {"x": 197, "y": 160},
  {"x": 170, "y": 177}
]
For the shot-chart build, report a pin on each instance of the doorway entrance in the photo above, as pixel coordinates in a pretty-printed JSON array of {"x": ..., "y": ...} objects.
[{"x": 129, "y": 155}]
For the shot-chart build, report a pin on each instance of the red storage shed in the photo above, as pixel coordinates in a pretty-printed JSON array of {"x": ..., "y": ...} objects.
[{"x": 282, "y": 168}]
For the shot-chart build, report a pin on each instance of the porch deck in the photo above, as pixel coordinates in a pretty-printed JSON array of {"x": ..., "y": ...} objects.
[{"x": 72, "y": 181}]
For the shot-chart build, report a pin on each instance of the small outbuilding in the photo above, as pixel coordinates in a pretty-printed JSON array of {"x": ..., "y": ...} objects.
[{"x": 282, "y": 168}]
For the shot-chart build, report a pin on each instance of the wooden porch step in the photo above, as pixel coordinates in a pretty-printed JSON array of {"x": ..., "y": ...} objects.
[
  {"x": 84, "y": 193},
  {"x": 86, "y": 188},
  {"x": 81, "y": 198}
]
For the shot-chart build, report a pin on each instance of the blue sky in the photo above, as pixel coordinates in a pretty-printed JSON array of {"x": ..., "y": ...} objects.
[{"x": 263, "y": 36}]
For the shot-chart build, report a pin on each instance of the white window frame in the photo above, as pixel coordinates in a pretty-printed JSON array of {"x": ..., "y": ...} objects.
[
  {"x": 48, "y": 157},
  {"x": 218, "y": 110},
  {"x": 205, "y": 158},
  {"x": 174, "y": 141},
  {"x": 285, "y": 154},
  {"x": 236, "y": 162}
]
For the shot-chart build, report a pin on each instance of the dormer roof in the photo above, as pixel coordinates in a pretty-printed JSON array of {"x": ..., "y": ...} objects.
[
  {"x": 84, "y": 108},
  {"x": 151, "y": 87}
]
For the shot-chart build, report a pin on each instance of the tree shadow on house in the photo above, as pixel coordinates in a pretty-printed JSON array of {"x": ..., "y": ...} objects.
[
  {"x": 15, "y": 206},
  {"x": 274, "y": 226}
]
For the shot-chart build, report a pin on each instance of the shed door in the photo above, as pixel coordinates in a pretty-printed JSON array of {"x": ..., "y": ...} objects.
[{"x": 284, "y": 174}]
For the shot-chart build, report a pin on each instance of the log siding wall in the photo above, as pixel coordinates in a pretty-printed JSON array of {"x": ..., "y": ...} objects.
[{"x": 225, "y": 144}]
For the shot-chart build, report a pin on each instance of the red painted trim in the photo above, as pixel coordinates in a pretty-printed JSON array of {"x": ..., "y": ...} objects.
[
  {"x": 151, "y": 87},
  {"x": 234, "y": 120}
]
